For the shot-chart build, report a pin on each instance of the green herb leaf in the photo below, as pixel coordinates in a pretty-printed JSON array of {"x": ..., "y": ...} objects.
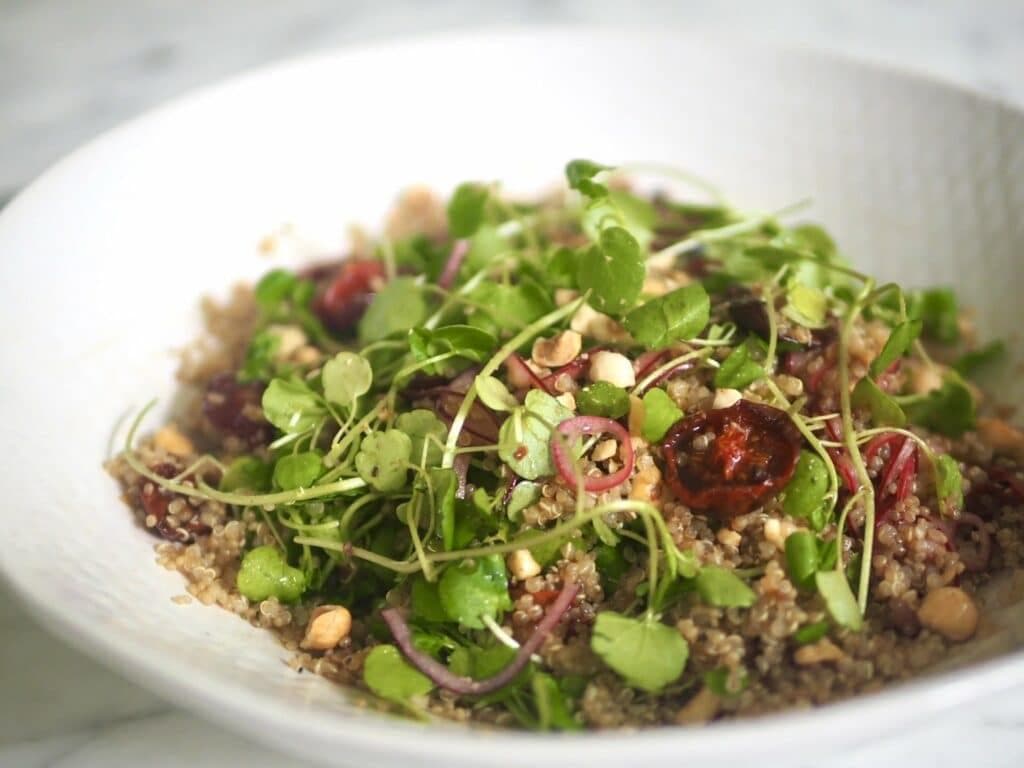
[
  {"x": 612, "y": 271},
  {"x": 273, "y": 288},
  {"x": 739, "y": 370},
  {"x": 523, "y": 495},
  {"x": 949, "y": 481},
  {"x": 445, "y": 483},
  {"x": 425, "y": 601},
  {"x": 494, "y": 394},
  {"x": 805, "y": 496},
  {"x": 466, "y": 209},
  {"x": 345, "y": 377},
  {"x": 469, "y": 595},
  {"x": 937, "y": 308},
  {"x": 389, "y": 676},
  {"x": 971, "y": 363},
  {"x": 680, "y": 314},
  {"x": 427, "y": 433},
  {"x": 247, "y": 473},
  {"x": 292, "y": 406},
  {"x": 486, "y": 245},
  {"x": 885, "y": 411},
  {"x": 805, "y": 305},
  {"x": 464, "y": 341},
  {"x": 644, "y": 652},
  {"x": 842, "y": 605},
  {"x": 660, "y": 413},
  {"x": 383, "y": 458},
  {"x": 948, "y": 410},
  {"x": 802, "y": 558},
  {"x": 508, "y": 307},
  {"x": 718, "y": 682},
  {"x": 260, "y": 363},
  {"x": 580, "y": 175},
  {"x": 265, "y": 573},
  {"x": 899, "y": 341},
  {"x": 810, "y": 633},
  {"x": 553, "y": 710},
  {"x": 297, "y": 470},
  {"x": 397, "y": 307},
  {"x": 525, "y": 436},
  {"x": 721, "y": 587},
  {"x": 603, "y": 399}
]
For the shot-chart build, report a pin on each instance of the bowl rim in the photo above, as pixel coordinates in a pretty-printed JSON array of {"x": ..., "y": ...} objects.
[{"x": 408, "y": 739}]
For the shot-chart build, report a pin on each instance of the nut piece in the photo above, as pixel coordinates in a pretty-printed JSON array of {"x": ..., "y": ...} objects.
[
  {"x": 637, "y": 414},
  {"x": 924, "y": 378},
  {"x": 590, "y": 322},
  {"x": 949, "y": 611},
  {"x": 171, "y": 439},
  {"x": 727, "y": 537},
  {"x": 290, "y": 339},
  {"x": 523, "y": 565},
  {"x": 820, "y": 652},
  {"x": 645, "y": 484},
  {"x": 724, "y": 398},
  {"x": 604, "y": 450},
  {"x": 418, "y": 211},
  {"x": 613, "y": 368},
  {"x": 328, "y": 626},
  {"x": 1002, "y": 437},
  {"x": 568, "y": 399},
  {"x": 777, "y": 531},
  {"x": 700, "y": 709},
  {"x": 560, "y": 349}
]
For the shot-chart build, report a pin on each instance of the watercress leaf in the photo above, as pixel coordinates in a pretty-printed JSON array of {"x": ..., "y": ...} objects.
[
  {"x": 638, "y": 212},
  {"x": 721, "y": 587},
  {"x": 949, "y": 481},
  {"x": 259, "y": 363},
  {"x": 383, "y": 458},
  {"x": 839, "y": 600},
  {"x": 345, "y": 377},
  {"x": 611, "y": 566},
  {"x": 805, "y": 305},
  {"x": 739, "y": 370},
  {"x": 660, "y": 413},
  {"x": 391, "y": 677},
  {"x": 297, "y": 470},
  {"x": 680, "y": 314},
  {"x": 508, "y": 307},
  {"x": 466, "y": 209},
  {"x": 397, "y": 307},
  {"x": 494, "y": 394},
  {"x": 884, "y": 410},
  {"x": 937, "y": 309},
  {"x": 802, "y": 558},
  {"x": 422, "y": 256},
  {"x": 273, "y": 288},
  {"x": 613, "y": 271},
  {"x": 425, "y": 601},
  {"x": 247, "y": 473},
  {"x": 603, "y": 399},
  {"x": 265, "y": 573},
  {"x": 485, "y": 246},
  {"x": 427, "y": 434},
  {"x": 468, "y": 594},
  {"x": 948, "y": 410},
  {"x": 899, "y": 341},
  {"x": 808, "y": 237},
  {"x": 474, "y": 518},
  {"x": 523, "y": 495},
  {"x": 580, "y": 175},
  {"x": 805, "y": 496},
  {"x": 445, "y": 484},
  {"x": 525, "y": 437},
  {"x": 810, "y": 633},
  {"x": 553, "y": 711},
  {"x": 291, "y": 406},
  {"x": 971, "y": 363},
  {"x": 644, "y": 652},
  {"x": 561, "y": 268}
]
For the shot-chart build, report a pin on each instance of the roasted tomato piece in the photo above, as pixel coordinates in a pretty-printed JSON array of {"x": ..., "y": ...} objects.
[
  {"x": 234, "y": 409},
  {"x": 730, "y": 460},
  {"x": 156, "y": 502},
  {"x": 341, "y": 304}
]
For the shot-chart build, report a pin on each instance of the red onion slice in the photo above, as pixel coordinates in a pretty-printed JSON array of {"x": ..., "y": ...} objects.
[
  {"x": 591, "y": 425},
  {"x": 897, "y": 464},
  {"x": 845, "y": 468},
  {"x": 445, "y": 678},
  {"x": 877, "y": 443}
]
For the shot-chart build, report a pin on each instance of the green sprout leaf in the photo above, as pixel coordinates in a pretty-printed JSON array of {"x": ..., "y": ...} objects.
[
  {"x": 644, "y": 652},
  {"x": 445, "y": 484},
  {"x": 399, "y": 306},
  {"x": 806, "y": 306},
  {"x": 839, "y": 600},
  {"x": 274, "y": 288},
  {"x": 949, "y": 481},
  {"x": 603, "y": 399},
  {"x": 718, "y": 682},
  {"x": 425, "y": 601},
  {"x": 389, "y": 676},
  {"x": 383, "y": 458},
  {"x": 247, "y": 473},
  {"x": 469, "y": 595},
  {"x": 297, "y": 470},
  {"x": 508, "y": 307},
  {"x": 721, "y": 587},
  {"x": 802, "y": 558},
  {"x": 938, "y": 311},
  {"x": 899, "y": 341},
  {"x": 660, "y": 413},
  {"x": 553, "y": 712},
  {"x": 292, "y": 406},
  {"x": 973, "y": 362},
  {"x": 466, "y": 209},
  {"x": 948, "y": 410},
  {"x": 427, "y": 433},
  {"x": 345, "y": 377},
  {"x": 885, "y": 411},
  {"x": 525, "y": 436},
  {"x": 810, "y": 633},
  {"x": 523, "y": 495},
  {"x": 265, "y": 573},
  {"x": 739, "y": 370},
  {"x": 462, "y": 341},
  {"x": 580, "y": 175},
  {"x": 494, "y": 394},
  {"x": 681, "y": 314},
  {"x": 612, "y": 271},
  {"x": 260, "y": 357},
  {"x": 807, "y": 493}
]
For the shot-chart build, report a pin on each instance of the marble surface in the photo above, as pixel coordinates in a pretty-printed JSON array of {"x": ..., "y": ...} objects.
[{"x": 71, "y": 70}]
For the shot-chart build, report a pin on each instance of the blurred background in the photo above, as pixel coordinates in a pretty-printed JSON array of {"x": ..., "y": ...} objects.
[{"x": 70, "y": 69}]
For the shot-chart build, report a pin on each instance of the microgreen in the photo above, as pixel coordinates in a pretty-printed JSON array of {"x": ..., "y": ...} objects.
[
  {"x": 842, "y": 605},
  {"x": 465, "y": 342},
  {"x": 807, "y": 494},
  {"x": 726, "y": 683},
  {"x": 501, "y": 307},
  {"x": 247, "y": 473},
  {"x": 580, "y": 175},
  {"x": 426, "y": 433},
  {"x": 612, "y": 271},
  {"x": 939, "y": 313},
  {"x": 949, "y": 482},
  {"x": 389, "y": 676},
  {"x": 292, "y": 406},
  {"x": 525, "y": 436},
  {"x": 474, "y": 590},
  {"x": 678, "y": 315},
  {"x": 810, "y": 633},
  {"x": 494, "y": 394},
  {"x": 603, "y": 399},
  {"x": 739, "y": 370},
  {"x": 723, "y": 588},
  {"x": 885, "y": 411},
  {"x": 523, "y": 495},
  {"x": 265, "y": 573},
  {"x": 973, "y": 362},
  {"x": 466, "y": 209},
  {"x": 660, "y": 413},
  {"x": 345, "y": 377},
  {"x": 802, "y": 559},
  {"x": 644, "y": 652},
  {"x": 948, "y": 410},
  {"x": 383, "y": 459},
  {"x": 297, "y": 470},
  {"x": 805, "y": 305},
  {"x": 899, "y": 341},
  {"x": 399, "y": 306}
]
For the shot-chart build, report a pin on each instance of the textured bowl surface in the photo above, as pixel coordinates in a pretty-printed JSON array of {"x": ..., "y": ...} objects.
[{"x": 103, "y": 260}]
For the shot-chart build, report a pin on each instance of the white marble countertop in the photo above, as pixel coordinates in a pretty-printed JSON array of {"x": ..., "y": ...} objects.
[{"x": 72, "y": 70}]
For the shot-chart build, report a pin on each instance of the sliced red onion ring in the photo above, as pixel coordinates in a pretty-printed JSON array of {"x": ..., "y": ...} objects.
[
  {"x": 897, "y": 464},
  {"x": 845, "y": 468},
  {"x": 451, "y": 267},
  {"x": 445, "y": 678},
  {"x": 877, "y": 443},
  {"x": 591, "y": 425}
]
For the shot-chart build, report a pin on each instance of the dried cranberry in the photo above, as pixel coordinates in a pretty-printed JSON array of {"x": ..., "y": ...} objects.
[
  {"x": 343, "y": 301},
  {"x": 156, "y": 502},
  {"x": 233, "y": 408},
  {"x": 747, "y": 453}
]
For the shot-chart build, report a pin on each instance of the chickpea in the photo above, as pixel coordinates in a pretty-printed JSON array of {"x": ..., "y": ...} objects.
[
  {"x": 951, "y": 612},
  {"x": 328, "y": 626}
]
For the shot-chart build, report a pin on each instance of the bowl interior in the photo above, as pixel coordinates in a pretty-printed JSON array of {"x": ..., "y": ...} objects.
[{"x": 102, "y": 263}]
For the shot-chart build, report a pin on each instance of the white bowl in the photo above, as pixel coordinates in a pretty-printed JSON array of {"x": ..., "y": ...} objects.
[{"x": 102, "y": 262}]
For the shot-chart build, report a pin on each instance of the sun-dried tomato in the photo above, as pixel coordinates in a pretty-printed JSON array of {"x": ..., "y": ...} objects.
[
  {"x": 341, "y": 304},
  {"x": 233, "y": 409},
  {"x": 156, "y": 502},
  {"x": 730, "y": 460}
]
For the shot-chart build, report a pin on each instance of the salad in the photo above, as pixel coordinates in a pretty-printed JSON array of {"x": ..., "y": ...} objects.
[{"x": 597, "y": 460}]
